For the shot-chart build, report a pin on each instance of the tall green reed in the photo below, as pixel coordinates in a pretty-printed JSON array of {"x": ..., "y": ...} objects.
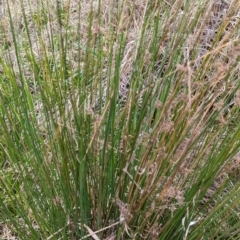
[{"x": 118, "y": 121}]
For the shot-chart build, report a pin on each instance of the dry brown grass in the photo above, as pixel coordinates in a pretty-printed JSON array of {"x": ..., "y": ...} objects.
[
  {"x": 219, "y": 18},
  {"x": 6, "y": 233}
]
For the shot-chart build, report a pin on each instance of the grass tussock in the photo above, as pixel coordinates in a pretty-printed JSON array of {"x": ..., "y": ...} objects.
[{"x": 119, "y": 119}]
